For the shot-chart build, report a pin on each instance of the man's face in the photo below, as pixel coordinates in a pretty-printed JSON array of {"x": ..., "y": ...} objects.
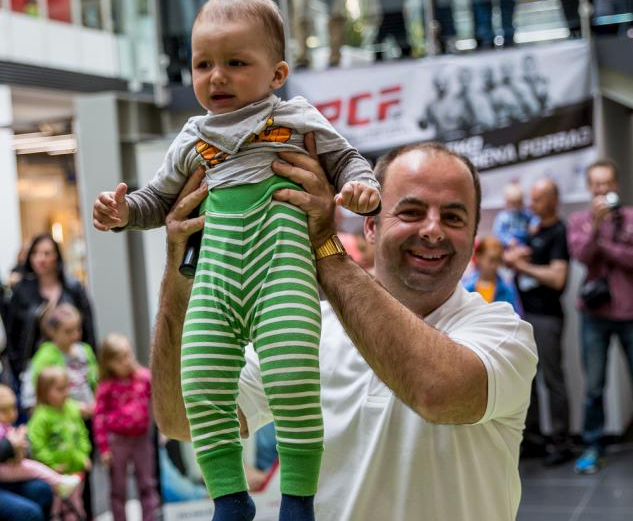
[
  {"x": 542, "y": 201},
  {"x": 424, "y": 237},
  {"x": 232, "y": 65},
  {"x": 601, "y": 181}
]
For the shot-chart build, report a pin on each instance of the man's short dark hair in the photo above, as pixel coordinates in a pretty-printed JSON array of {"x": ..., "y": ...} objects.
[
  {"x": 604, "y": 163},
  {"x": 264, "y": 12},
  {"x": 382, "y": 165}
]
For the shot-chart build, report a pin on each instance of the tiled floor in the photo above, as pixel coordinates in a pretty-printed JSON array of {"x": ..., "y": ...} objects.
[{"x": 557, "y": 494}]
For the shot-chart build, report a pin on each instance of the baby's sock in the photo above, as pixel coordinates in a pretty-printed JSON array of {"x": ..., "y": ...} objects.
[
  {"x": 296, "y": 508},
  {"x": 234, "y": 507}
]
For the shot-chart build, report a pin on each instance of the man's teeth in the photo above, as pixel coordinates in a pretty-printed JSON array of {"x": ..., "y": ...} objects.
[{"x": 429, "y": 256}]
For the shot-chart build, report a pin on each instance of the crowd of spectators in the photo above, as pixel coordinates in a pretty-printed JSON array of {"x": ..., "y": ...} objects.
[{"x": 528, "y": 257}]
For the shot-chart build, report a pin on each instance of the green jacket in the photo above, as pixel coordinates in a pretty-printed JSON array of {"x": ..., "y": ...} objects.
[
  {"x": 49, "y": 354},
  {"x": 59, "y": 437}
]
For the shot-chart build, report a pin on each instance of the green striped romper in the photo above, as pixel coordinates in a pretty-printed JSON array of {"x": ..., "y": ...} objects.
[{"x": 255, "y": 282}]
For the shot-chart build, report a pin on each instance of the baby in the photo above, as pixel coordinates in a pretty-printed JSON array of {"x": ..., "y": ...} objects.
[
  {"x": 512, "y": 224},
  {"x": 255, "y": 279},
  {"x": 21, "y": 468}
]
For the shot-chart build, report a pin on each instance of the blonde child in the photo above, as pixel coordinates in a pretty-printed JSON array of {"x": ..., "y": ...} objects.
[
  {"x": 256, "y": 279},
  {"x": 121, "y": 425},
  {"x": 63, "y": 326},
  {"x": 22, "y": 468},
  {"x": 56, "y": 431}
]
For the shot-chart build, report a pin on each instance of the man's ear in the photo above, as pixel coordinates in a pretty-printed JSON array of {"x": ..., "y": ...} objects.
[
  {"x": 281, "y": 74},
  {"x": 369, "y": 228}
]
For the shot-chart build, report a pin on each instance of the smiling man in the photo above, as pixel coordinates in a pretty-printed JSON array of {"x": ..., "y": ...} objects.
[{"x": 424, "y": 386}]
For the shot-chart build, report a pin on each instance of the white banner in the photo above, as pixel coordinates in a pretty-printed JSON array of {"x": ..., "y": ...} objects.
[{"x": 503, "y": 109}]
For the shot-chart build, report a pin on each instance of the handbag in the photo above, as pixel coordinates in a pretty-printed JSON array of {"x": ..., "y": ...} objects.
[{"x": 594, "y": 293}]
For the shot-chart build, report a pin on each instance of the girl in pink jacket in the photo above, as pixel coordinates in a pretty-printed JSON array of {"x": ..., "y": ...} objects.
[{"x": 122, "y": 423}]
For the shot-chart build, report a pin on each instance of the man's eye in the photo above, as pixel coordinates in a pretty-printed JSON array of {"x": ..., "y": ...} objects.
[
  {"x": 453, "y": 218},
  {"x": 409, "y": 215}
]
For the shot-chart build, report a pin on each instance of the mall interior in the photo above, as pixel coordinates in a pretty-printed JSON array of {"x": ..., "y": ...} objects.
[{"x": 93, "y": 91}]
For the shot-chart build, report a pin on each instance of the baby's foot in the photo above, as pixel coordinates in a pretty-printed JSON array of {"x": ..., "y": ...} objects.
[{"x": 234, "y": 507}]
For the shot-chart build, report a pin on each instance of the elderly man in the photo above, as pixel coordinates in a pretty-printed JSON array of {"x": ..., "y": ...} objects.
[
  {"x": 425, "y": 387},
  {"x": 541, "y": 269},
  {"x": 601, "y": 237}
]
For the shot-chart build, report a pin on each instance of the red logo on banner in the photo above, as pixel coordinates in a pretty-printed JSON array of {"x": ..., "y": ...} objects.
[{"x": 362, "y": 108}]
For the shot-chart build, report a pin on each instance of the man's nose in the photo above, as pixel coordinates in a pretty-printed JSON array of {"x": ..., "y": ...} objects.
[{"x": 431, "y": 228}]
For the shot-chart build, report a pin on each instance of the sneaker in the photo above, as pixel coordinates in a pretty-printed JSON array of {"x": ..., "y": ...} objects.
[
  {"x": 589, "y": 462},
  {"x": 67, "y": 485}
]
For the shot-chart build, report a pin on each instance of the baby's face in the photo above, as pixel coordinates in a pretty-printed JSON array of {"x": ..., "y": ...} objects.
[
  {"x": 233, "y": 65},
  {"x": 8, "y": 407}
]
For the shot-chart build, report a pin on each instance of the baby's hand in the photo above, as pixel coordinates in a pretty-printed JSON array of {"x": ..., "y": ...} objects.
[
  {"x": 111, "y": 209},
  {"x": 358, "y": 197}
]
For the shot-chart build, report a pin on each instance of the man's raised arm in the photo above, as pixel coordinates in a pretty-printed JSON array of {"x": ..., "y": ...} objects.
[
  {"x": 444, "y": 382},
  {"x": 169, "y": 408}
]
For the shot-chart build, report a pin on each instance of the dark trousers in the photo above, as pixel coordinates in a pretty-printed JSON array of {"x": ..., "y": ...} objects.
[
  {"x": 596, "y": 335},
  {"x": 25, "y": 501},
  {"x": 140, "y": 451},
  {"x": 482, "y": 14},
  {"x": 548, "y": 331}
]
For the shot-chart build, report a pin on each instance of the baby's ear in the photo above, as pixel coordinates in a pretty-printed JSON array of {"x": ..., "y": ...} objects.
[{"x": 280, "y": 75}]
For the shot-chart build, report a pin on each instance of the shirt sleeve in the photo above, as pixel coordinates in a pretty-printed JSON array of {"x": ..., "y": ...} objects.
[
  {"x": 505, "y": 344},
  {"x": 38, "y": 439},
  {"x": 559, "y": 247},
  {"x": 99, "y": 422},
  {"x": 149, "y": 205},
  {"x": 582, "y": 239},
  {"x": 252, "y": 399},
  {"x": 342, "y": 162}
]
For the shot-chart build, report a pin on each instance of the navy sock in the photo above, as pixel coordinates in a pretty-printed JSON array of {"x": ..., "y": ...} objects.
[
  {"x": 296, "y": 508},
  {"x": 234, "y": 507}
]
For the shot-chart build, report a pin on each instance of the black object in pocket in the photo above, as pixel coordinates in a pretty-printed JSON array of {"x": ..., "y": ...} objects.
[{"x": 594, "y": 293}]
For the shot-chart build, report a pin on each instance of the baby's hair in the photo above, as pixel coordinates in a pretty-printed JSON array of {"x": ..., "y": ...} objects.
[
  {"x": 513, "y": 191},
  {"x": 58, "y": 315},
  {"x": 45, "y": 381},
  {"x": 488, "y": 243},
  {"x": 109, "y": 349},
  {"x": 264, "y": 12}
]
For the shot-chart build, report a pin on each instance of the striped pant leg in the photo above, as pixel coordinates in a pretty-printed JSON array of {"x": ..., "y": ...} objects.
[
  {"x": 285, "y": 320},
  {"x": 211, "y": 360}
]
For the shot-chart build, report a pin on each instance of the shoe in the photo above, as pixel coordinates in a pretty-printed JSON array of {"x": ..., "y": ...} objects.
[
  {"x": 67, "y": 485},
  {"x": 589, "y": 462},
  {"x": 556, "y": 455}
]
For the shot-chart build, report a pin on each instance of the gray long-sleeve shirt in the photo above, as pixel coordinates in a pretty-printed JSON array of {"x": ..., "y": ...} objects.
[{"x": 238, "y": 148}]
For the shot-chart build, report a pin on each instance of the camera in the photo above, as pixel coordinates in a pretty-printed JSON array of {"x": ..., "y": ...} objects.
[{"x": 612, "y": 201}]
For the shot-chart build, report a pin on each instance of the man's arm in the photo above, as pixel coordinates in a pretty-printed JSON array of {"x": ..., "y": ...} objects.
[
  {"x": 444, "y": 382},
  {"x": 552, "y": 275},
  {"x": 168, "y": 406}
]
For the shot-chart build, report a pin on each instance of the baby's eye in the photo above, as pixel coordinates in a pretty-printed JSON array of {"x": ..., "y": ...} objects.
[
  {"x": 236, "y": 63},
  {"x": 203, "y": 65}
]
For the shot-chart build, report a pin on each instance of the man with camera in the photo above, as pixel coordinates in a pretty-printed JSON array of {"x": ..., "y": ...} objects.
[{"x": 601, "y": 237}]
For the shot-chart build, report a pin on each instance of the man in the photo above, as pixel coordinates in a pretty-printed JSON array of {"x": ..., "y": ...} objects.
[
  {"x": 425, "y": 401},
  {"x": 541, "y": 267},
  {"x": 601, "y": 237}
]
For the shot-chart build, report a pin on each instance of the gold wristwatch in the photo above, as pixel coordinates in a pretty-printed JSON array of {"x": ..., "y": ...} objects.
[{"x": 333, "y": 246}]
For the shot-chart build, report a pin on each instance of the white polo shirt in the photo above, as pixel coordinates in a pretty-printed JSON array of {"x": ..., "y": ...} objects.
[{"x": 382, "y": 461}]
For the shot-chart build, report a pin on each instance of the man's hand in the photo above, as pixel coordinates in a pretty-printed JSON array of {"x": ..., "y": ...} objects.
[
  {"x": 358, "y": 197},
  {"x": 517, "y": 256},
  {"x": 318, "y": 199},
  {"x": 111, "y": 209},
  {"x": 19, "y": 442},
  {"x": 177, "y": 223},
  {"x": 599, "y": 210}
]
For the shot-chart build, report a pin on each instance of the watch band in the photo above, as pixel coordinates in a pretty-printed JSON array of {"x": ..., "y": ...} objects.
[{"x": 333, "y": 246}]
